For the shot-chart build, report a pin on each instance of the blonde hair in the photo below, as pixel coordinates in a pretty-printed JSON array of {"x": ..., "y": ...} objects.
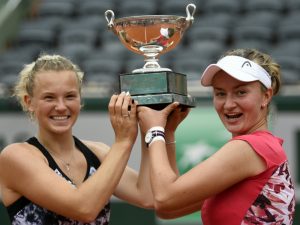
[
  {"x": 26, "y": 84},
  {"x": 263, "y": 60}
]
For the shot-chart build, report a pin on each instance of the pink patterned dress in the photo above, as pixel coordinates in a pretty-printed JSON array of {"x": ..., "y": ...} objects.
[{"x": 267, "y": 198}]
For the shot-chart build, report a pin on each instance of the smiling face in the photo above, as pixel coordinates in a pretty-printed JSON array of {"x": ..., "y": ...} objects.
[
  {"x": 55, "y": 101},
  {"x": 241, "y": 106}
]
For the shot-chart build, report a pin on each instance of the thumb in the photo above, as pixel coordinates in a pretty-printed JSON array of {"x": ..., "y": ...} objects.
[{"x": 167, "y": 110}]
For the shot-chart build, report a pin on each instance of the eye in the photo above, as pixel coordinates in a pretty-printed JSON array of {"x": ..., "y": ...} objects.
[
  {"x": 71, "y": 96},
  {"x": 48, "y": 97},
  {"x": 241, "y": 92},
  {"x": 219, "y": 93}
]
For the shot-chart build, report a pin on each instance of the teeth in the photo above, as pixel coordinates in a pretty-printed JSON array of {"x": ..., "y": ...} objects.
[
  {"x": 60, "y": 117},
  {"x": 232, "y": 116}
]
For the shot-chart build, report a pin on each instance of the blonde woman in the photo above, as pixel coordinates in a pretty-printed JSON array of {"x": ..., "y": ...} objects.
[{"x": 56, "y": 178}]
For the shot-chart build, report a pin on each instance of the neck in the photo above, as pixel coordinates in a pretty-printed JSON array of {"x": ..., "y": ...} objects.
[
  {"x": 62, "y": 149},
  {"x": 60, "y": 144},
  {"x": 260, "y": 126}
]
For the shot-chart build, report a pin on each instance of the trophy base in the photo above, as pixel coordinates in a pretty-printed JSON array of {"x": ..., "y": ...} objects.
[
  {"x": 157, "y": 89},
  {"x": 160, "y": 101}
]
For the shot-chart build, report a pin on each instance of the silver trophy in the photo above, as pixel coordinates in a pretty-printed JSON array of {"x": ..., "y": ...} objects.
[{"x": 152, "y": 36}]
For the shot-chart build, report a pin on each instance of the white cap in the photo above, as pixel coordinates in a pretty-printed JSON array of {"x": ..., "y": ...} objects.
[{"x": 239, "y": 68}]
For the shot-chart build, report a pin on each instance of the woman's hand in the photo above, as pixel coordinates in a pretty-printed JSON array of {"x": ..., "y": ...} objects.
[
  {"x": 176, "y": 117},
  {"x": 122, "y": 111},
  {"x": 149, "y": 117}
]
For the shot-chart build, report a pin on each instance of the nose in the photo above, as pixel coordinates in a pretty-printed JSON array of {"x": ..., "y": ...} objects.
[
  {"x": 60, "y": 105},
  {"x": 229, "y": 102}
]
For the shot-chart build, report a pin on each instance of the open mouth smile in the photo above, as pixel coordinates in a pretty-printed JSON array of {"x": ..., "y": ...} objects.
[
  {"x": 233, "y": 116},
  {"x": 60, "y": 118}
]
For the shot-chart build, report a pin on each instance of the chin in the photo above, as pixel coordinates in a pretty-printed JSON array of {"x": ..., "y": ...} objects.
[
  {"x": 234, "y": 131},
  {"x": 60, "y": 130}
]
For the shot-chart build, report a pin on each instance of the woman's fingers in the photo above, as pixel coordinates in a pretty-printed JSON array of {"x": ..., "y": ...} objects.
[
  {"x": 126, "y": 106},
  {"x": 119, "y": 103},
  {"x": 122, "y": 106},
  {"x": 170, "y": 108},
  {"x": 133, "y": 108},
  {"x": 150, "y": 117},
  {"x": 111, "y": 104}
]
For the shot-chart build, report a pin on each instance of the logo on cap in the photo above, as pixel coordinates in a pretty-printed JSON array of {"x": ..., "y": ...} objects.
[{"x": 247, "y": 63}]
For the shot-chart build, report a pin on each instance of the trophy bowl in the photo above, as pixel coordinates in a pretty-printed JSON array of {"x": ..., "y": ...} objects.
[{"x": 150, "y": 35}]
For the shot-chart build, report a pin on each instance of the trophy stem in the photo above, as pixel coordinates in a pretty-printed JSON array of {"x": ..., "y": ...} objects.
[{"x": 151, "y": 53}]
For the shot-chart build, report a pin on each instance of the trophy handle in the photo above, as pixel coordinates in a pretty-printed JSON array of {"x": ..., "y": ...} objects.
[
  {"x": 190, "y": 11},
  {"x": 110, "y": 18}
]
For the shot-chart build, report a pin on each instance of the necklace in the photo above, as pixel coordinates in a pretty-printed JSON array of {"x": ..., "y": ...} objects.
[{"x": 67, "y": 165}]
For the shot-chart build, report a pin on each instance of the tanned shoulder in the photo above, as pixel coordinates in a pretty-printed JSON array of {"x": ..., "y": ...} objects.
[{"x": 99, "y": 148}]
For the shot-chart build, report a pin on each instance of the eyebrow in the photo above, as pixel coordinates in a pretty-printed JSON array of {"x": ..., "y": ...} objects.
[
  {"x": 51, "y": 93},
  {"x": 72, "y": 91},
  {"x": 236, "y": 87},
  {"x": 48, "y": 93}
]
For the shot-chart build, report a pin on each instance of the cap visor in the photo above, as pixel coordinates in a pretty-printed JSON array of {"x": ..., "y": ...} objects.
[{"x": 208, "y": 74}]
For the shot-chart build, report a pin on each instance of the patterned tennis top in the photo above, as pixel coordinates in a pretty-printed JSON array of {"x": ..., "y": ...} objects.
[
  {"x": 25, "y": 212},
  {"x": 267, "y": 198}
]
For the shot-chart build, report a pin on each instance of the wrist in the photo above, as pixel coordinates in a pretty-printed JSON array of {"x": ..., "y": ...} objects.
[
  {"x": 122, "y": 146},
  {"x": 170, "y": 137},
  {"x": 157, "y": 138},
  {"x": 156, "y": 133},
  {"x": 127, "y": 142},
  {"x": 170, "y": 142},
  {"x": 159, "y": 128}
]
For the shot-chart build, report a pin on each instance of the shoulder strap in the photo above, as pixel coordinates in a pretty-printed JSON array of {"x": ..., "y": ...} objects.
[
  {"x": 91, "y": 158},
  {"x": 34, "y": 141}
]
